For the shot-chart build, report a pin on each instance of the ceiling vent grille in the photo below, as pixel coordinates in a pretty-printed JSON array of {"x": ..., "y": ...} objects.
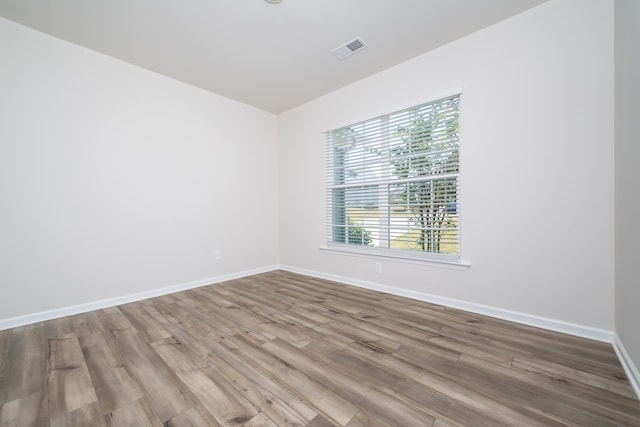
[{"x": 349, "y": 48}]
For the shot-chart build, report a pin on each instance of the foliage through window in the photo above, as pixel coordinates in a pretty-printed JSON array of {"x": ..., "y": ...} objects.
[{"x": 393, "y": 181}]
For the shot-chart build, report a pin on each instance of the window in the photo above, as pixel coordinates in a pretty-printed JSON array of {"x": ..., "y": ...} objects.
[{"x": 393, "y": 183}]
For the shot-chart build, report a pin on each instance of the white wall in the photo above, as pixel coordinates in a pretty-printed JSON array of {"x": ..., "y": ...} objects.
[
  {"x": 115, "y": 180},
  {"x": 537, "y": 165},
  {"x": 627, "y": 196}
]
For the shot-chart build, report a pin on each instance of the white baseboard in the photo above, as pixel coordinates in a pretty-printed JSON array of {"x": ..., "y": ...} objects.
[
  {"x": 629, "y": 367},
  {"x": 513, "y": 316},
  {"x": 42, "y": 316}
]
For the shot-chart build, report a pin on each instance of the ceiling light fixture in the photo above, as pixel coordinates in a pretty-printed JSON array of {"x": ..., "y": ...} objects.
[{"x": 273, "y": 1}]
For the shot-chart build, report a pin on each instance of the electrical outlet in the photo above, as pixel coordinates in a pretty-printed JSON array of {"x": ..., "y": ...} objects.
[
  {"x": 218, "y": 254},
  {"x": 378, "y": 267}
]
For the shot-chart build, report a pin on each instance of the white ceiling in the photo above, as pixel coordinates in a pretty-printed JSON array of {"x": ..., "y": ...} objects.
[{"x": 274, "y": 57}]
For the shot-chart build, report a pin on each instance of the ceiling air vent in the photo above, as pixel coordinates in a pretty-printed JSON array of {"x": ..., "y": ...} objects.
[{"x": 349, "y": 48}]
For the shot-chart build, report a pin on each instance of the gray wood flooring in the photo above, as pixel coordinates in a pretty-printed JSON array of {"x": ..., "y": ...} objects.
[{"x": 280, "y": 349}]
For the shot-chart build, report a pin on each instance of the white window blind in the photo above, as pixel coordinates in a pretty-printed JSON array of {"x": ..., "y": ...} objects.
[{"x": 393, "y": 182}]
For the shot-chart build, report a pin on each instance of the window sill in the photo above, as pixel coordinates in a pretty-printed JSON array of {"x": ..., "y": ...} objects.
[{"x": 450, "y": 263}]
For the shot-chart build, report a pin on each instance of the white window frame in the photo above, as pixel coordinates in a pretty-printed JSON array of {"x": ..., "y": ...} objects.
[{"x": 383, "y": 183}]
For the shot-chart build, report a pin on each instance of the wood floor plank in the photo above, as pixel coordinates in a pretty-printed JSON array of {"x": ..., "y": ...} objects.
[
  {"x": 319, "y": 397},
  {"x": 595, "y": 397},
  {"x": 282, "y": 408},
  {"x": 197, "y": 416},
  {"x": 144, "y": 323},
  {"x": 26, "y": 368},
  {"x": 430, "y": 376},
  {"x": 225, "y": 404},
  {"x": 134, "y": 414},
  {"x": 113, "y": 384},
  {"x": 182, "y": 324},
  {"x": 283, "y": 349},
  {"x": 260, "y": 420},
  {"x": 112, "y": 319},
  {"x": 377, "y": 375},
  {"x": 613, "y": 384},
  {"x": 320, "y": 421},
  {"x": 179, "y": 357},
  {"x": 5, "y": 342},
  {"x": 58, "y": 328},
  {"x": 480, "y": 350},
  {"x": 24, "y": 412},
  {"x": 421, "y": 353},
  {"x": 371, "y": 399},
  {"x": 496, "y": 383},
  {"x": 69, "y": 382},
  {"x": 86, "y": 323},
  {"x": 87, "y": 415},
  {"x": 569, "y": 407},
  {"x": 166, "y": 393},
  {"x": 365, "y": 419},
  {"x": 70, "y": 388},
  {"x": 289, "y": 410},
  {"x": 65, "y": 353}
]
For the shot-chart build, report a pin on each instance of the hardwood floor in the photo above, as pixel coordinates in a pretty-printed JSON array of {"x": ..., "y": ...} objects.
[{"x": 282, "y": 349}]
